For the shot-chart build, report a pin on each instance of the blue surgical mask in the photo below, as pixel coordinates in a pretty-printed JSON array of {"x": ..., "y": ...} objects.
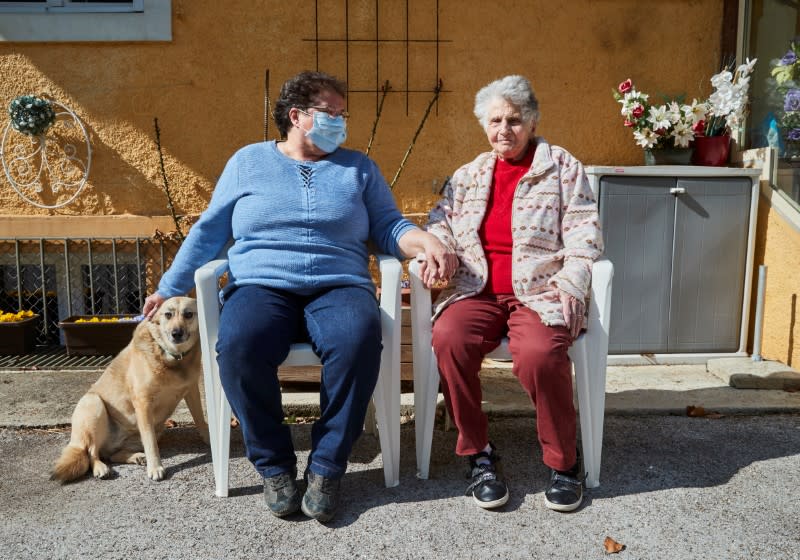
[{"x": 327, "y": 133}]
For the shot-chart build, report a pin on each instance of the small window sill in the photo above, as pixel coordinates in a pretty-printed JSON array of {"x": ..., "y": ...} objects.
[{"x": 154, "y": 24}]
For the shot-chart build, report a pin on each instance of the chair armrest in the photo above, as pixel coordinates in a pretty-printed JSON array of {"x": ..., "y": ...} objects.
[
  {"x": 390, "y": 270},
  {"x": 599, "y": 306},
  {"x": 210, "y": 272},
  {"x": 206, "y": 280}
]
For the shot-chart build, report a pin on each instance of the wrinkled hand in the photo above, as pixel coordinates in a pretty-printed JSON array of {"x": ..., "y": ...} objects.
[
  {"x": 573, "y": 310},
  {"x": 437, "y": 262},
  {"x": 151, "y": 305}
]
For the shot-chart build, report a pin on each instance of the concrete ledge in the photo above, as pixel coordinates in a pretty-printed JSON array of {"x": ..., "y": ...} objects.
[{"x": 744, "y": 373}]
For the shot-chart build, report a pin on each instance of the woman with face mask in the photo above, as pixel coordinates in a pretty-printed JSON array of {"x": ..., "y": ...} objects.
[{"x": 300, "y": 212}]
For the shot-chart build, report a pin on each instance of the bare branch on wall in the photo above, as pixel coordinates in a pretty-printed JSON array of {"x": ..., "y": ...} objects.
[
  {"x": 170, "y": 204},
  {"x": 437, "y": 90}
]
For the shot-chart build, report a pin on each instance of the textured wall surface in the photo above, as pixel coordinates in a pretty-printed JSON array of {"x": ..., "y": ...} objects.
[
  {"x": 206, "y": 86},
  {"x": 778, "y": 247}
]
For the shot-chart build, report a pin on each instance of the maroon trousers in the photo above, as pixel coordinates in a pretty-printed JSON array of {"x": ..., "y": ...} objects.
[{"x": 469, "y": 329}]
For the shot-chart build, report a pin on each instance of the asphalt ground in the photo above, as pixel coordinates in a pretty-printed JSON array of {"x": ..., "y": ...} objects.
[
  {"x": 671, "y": 487},
  {"x": 720, "y": 486}
]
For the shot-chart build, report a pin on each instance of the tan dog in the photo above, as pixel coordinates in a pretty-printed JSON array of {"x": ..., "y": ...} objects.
[{"x": 124, "y": 411}]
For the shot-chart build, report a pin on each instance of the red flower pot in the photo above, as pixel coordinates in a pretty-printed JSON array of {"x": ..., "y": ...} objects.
[{"x": 711, "y": 150}]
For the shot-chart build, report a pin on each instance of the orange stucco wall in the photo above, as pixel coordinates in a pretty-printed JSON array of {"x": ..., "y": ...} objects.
[
  {"x": 778, "y": 247},
  {"x": 206, "y": 86}
]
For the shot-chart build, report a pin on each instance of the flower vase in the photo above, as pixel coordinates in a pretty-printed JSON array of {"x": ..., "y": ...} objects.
[
  {"x": 668, "y": 156},
  {"x": 711, "y": 150}
]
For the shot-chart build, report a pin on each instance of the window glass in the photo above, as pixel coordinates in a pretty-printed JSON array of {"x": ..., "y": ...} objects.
[{"x": 774, "y": 39}]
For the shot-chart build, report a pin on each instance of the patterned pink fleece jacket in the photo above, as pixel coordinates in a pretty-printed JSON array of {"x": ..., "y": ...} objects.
[{"x": 555, "y": 230}]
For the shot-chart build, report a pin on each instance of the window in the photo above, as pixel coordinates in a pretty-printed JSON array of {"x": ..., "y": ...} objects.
[
  {"x": 85, "y": 20},
  {"x": 56, "y": 6},
  {"x": 771, "y": 27}
]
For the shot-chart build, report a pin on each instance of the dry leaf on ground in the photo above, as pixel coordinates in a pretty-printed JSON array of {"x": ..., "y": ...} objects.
[
  {"x": 170, "y": 423},
  {"x": 611, "y": 546},
  {"x": 700, "y": 412}
]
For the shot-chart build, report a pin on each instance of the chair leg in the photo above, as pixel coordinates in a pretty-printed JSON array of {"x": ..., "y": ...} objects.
[
  {"x": 219, "y": 425},
  {"x": 426, "y": 390},
  {"x": 387, "y": 413},
  {"x": 370, "y": 421},
  {"x": 590, "y": 384}
]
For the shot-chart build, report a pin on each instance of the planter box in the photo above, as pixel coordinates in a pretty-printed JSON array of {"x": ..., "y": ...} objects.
[
  {"x": 18, "y": 337},
  {"x": 98, "y": 338}
]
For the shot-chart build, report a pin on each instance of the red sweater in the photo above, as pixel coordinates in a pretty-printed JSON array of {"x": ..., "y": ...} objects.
[{"x": 495, "y": 232}]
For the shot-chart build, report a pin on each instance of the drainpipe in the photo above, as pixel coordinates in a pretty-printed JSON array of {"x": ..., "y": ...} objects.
[{"x": 762, "y": 280}]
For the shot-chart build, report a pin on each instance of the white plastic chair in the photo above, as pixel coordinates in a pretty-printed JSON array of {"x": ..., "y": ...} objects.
[
  {"x": 588, "y": 353},
  {"x": 387, "y": 392}
]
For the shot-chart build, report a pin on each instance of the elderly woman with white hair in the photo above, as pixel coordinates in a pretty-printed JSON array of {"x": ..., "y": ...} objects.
[{"x": 523, "y": 222}]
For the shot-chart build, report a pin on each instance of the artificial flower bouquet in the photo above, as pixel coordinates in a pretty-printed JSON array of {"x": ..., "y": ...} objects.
[
  {"x": 674, "y": 124},
  {"x": 728, "y": 103},
  {"x": 667, "y": 125}
]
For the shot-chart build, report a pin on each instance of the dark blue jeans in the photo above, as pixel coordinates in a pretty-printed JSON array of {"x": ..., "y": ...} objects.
[{"x": 257, "y": 326}]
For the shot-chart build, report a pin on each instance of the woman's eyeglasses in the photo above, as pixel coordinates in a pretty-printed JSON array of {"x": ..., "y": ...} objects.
[{"x": 331, "y": 112}]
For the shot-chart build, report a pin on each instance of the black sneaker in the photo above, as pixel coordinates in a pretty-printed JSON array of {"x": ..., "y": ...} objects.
[
  {"x": 486, "y": 488},
  {"x": 281, "y": 494},
  {"x": 321, "y": 497},
  {"x": 565, "y": 491}
]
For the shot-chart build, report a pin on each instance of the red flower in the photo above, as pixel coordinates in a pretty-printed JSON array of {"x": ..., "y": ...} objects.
[
  {"x": 628, "y": 123},
  {"x": 625, "y": 86},
  {"x": 699, "y": 128},
  {"x": 637, "y": 112}
]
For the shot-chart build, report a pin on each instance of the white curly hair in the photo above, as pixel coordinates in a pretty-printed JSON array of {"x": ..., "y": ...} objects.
[{"x": 516, "y": 90}]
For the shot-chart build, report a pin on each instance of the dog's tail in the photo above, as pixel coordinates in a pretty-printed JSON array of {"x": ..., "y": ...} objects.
[{"x": 73, "y": 463}]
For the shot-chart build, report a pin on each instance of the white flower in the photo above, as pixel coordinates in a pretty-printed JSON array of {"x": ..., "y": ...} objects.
[
  {"x": 674, "y": 112},
  {"x": 747, "y": 67},
  {"x": 724, "y": 77},
  {"x": 683, "y": 135},
  {"x": 645, "y": 138},
  {"x": 697, "y": 111},
  {"x": 658, "y": 117}
]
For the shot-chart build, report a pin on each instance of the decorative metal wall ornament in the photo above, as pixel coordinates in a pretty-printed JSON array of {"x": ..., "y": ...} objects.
[{"x": 48, "y": 155}]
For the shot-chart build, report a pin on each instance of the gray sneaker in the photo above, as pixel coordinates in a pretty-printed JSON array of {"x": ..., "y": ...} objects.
[
  {"x": 321, "y": 497},
  {"x": 281, "y": 494}
]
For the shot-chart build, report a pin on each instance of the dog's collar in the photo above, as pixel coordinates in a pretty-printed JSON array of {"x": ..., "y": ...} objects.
[{"x": 177, "y": 357}]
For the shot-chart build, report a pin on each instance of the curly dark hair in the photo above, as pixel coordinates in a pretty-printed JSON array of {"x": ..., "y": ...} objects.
[{"x": 300, "y": 91}]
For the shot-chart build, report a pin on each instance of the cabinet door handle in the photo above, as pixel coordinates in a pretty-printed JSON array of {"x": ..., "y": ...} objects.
[{"x": 677, "y": 190}]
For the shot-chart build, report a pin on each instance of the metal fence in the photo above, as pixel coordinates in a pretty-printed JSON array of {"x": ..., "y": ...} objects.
[{"x": 62, "y": 277}]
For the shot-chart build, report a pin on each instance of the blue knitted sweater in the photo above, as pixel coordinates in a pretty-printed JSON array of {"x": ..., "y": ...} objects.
[{"x": 297, "y": 226}]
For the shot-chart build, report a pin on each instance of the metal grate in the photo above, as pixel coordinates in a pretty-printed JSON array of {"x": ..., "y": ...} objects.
[
  {"x": 53, "y": 357},
  {"x": 60, "y": 277}
]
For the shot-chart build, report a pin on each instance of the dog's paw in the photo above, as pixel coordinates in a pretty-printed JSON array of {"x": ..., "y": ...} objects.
[
  {"x": 138, "y": 459},
  {"x": 100, "y": 470},
  {"x": 156, "y": 473}
]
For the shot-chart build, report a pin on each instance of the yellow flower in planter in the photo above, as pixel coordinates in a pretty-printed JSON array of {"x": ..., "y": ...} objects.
[{"x": 9, "y": 317}]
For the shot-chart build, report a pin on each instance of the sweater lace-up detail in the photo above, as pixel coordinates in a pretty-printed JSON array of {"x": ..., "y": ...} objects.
[{"x": 306, "y": 171}]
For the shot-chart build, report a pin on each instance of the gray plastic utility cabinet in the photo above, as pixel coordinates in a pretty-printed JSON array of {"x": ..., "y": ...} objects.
[{"x": 681, "y": 241}]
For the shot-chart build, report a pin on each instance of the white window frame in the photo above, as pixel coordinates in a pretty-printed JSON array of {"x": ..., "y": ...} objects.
[
  {"x": 68, "y": 21},
  {"x": 70, "y": 6}
]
